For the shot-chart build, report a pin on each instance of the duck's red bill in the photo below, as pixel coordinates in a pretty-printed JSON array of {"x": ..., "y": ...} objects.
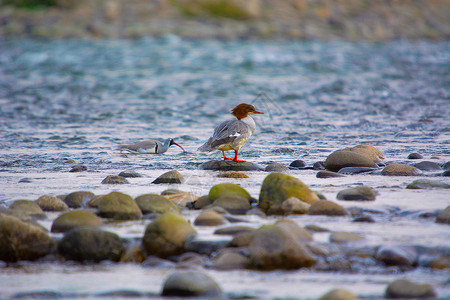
[
  {"x": 178, "y": 146},
  {"x": 258, "y": 112}
]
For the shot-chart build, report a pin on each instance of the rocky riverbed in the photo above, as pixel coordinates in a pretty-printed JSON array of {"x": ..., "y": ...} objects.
[{"x": 345, "y": 185}]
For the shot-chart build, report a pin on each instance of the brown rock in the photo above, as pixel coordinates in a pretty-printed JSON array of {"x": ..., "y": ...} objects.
[
  {"x": 209, "y": 218},
  {"x": 400, "y": 170},
  {"x": 343, "y": 158},
  {"x": 368, "y": 151},
  {"x": 51, "y": 203},
  {"x": 328, "y": 208}
]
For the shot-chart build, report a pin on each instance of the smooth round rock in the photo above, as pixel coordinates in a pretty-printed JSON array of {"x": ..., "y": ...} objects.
[
  {"x": 294, "y": 206},
  {"x": 190, "y": 284},
  {"x": 278, "y": 187},
  {"x": 359, "y": 193},
  {"x": 339, "y": 294},
  {"x": 129, "y": 174},
  {"x": 230, "y": 260},
  {"x": 166, "y": 235},
  {"x": 90, "y": 244},
  {"x": 276, "y": 167},
  {"x": 154, "y": 203},
  {"x": 115, "y": 179},
  {"x": 405, "y": 289},
  {"x": 443, "y": 216},
  {"x": 209, "y": 218},
  {"x": 415, "y": 155},
  {"x": 223, "y": 190},
  {"x": 51, "y": 203},
  {"x": 298, "y": 164},
  {"x": 95, "y": 201},
  {"x": 78, "y": 199},
  {"x": 229, "y": 165},
  {"x": 363, "y": 219},
  {"x": 400, "y": 170},
  {"x": 233, "y": 204},
  {"x": 368, "y": 151},
  {"x": 74, "y": 219},
  {"x": 273, "y": 248},
  {"x": 78, "y": 168},
  {"x": 181, "y": 199},
  {"x": 427, "y": 184},
  {"x": 327, "y": 208},
  {"x": 341, "y": 237},
  {"x": 328, "y": 174},
  {"x": 171, "y": 177},
  {"x": 22, "y": 241},
  {"x": 319, "y": 165},
  {"x": 233, "y": 174},
  {"x": 397, "y": 255},
  {"x": 27, "y": 210},
  {"x": 201, "y": 202},
  {"x": 233, "y": 230},
  {"x": 428, "y": 166},
  {"x": 119, "y": 206},
  {"x": 293, "y": 229},
  {"x": 344, "y": 158}
]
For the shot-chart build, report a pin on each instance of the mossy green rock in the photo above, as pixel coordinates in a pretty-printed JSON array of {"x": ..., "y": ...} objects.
[
  {"x": 74, "y": 219},
  {"x": 278, "y": 187},
  {"x": 119, "y": 206},
  {"x": 78, "y": 199},
  {"x": 273, "y": 248},
  {"x": 167, "y": 234},
  {"x": 90, "y": 244},
  {"x": 154, "y": 203},
  {"x": 22, "y": 241},
  {"x": 27, "y": 210},
  {"x": 223, "y": 190},
  {"x": 51, "y": 203}
]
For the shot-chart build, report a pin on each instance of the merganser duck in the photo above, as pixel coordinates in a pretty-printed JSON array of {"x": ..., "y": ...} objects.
[
  {"x": 232, "y": 134},
  {"x": 149, "y": 146}
]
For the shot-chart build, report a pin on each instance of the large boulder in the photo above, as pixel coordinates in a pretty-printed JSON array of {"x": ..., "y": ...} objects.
[
  {"x": 154, "y": 203},
  {"x": 278, "y": 187},
  {"x": 191, "y": 284},
  {"x": 344, "y": 158},
  {"x": 90, "y": 244},
  {"x": 166, "y": 235},
  {"x": 27, "y": 210},
  {"x": 74, "y": 219},
  {"x": 22, "y": 241},
  {"x": 405, "y": 289},
  {"x": 273, "y": 248},
  {"x": 78, "y": 199},
  {"x": 400, "y": 170},
  {"x": 119, "y": 206},
  {"x": 51, "y": 203}
]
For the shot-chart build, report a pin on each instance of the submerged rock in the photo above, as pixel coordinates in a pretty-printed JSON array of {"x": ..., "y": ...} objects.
[
  {"x": 129, "y": 174},
  {"x": 443, "y": 216},
  {"x": 190, "y": 284},
  {"x": 27, "y": 210},
  {"x": 278, "y": 187},
  {"x": 234, "y": 230},
  {"x": 400, "y": 170},
  {"x": 22, "y": 241},
  {"x": 405, "y": 289},
  {"x": 154, "y": 203},
  {"x": 51, "y": 203},
  {"x": 359, "y": 193},
  {"x": 166, "y": 235},
  {"x": 115, "y": 179},
  {"x": 171, "y": 177},
  {"x": 276, "y": 167},
  {"x": 78, "y": 168},
  {"x": 344, "y": 158},
  {"x": 339, "y": 294},
  {"x": 119, "y": 206},
  {"x": 274, "y": 248},
  {"x": 90, "y": 244},
  {"x": 427, "y": 184},
  {"x": 327, "y": 208},
  {"x": 75, "y": 219},
  {"x": 428, "y": 166},
  {"x": 229, "y": 165},
  {"x": 78, "y": 199}
]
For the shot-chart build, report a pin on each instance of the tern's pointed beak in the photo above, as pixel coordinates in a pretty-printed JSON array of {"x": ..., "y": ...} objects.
[{"x": 173, "y": 143}]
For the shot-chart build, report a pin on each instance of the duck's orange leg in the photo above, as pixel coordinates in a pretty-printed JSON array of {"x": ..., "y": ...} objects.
[
  {"x": 224, "y": 157},
  {"x": 235, "y": 157}
]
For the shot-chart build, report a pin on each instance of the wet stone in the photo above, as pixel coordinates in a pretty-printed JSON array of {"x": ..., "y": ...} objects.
[
  {"x": 234, "y": 205},
  {"x": 190, "y": 284},
  {"x": 204, "y": 247},
  {"x": 229, "y": 165},
  {"x": 209, "y": 218},
  {"x": 327, "y": 208},
  {"x": 397, "y": 255},
  {"x": 223, "y": 190},
  {"x": 78, "y": 168},
  {"x": 359, "y": 193},
  {"x": 328, "y": 174},
  {"x": 276, "y": 167},
  {"x": 95, "y": 201},
  {"x": 233, "y": 174},
  {"x": 171, "y": 177},
  {"x": 25, "y": 180},
  {"x": 319, "y": 165},
  {"x": 230, "y": 260},
  {"x": 345, "y": 237},
  {"x": 156, "y": 262},
  {"x": 115, "y": 179},
  {"x": 428, "y": 166},
  {"x": 233, "y": 230},
  {"x": 200, "y": 203},
  {"x": 129, "y": 174},
  {"x": 368, "y": 151},
  {"x": 27, "y": 210},
  {"x": 316, "y": 228},
  {"x": 443, "y": 216},
  {"x": 344, "y": 158},
  {"x": 294, "y": 206},
  {"x": 405, "y": 289},
  {"x": 154, "y": 203},
  {"x": 75, "y": 219},
  {"x": 298, "y": 164},
  {"x": 427, "y": 184},
  {"x": 363, "y": 219},
  {"x": 339, "y": 294},
  {"x": 78, "y": 199},
  {"x": 355, "y": 170},
  {"x": 400, "y": 170},
  {"x": 119, "y": 206},
  {"x": 415, "y": 155},
  {"x": 51, "y": 203},
  {"x": 446, "y": 173},
  {"x": 446, "y": 166}
]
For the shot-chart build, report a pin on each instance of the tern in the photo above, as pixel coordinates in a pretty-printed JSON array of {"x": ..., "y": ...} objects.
[
  {"x": 149, "y": 146},
  {"x": 232, "y": 134}
]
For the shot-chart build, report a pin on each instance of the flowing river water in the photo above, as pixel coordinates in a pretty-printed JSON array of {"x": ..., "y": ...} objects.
[{"x": 80, "y": 99}]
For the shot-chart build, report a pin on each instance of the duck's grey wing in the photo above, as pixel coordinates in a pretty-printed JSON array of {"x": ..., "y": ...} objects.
[
  {"x": 143, "y": 145},
  {"x": 225, "y": 133}
]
